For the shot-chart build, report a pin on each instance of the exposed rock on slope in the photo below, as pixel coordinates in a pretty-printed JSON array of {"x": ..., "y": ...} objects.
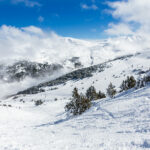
[
  {"x": 22, "y": 69},
  {"x": 75, "y": 75}
]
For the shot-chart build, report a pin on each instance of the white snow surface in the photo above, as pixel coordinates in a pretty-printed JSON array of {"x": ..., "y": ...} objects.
[
  {"x": 121, "y": 123},
  {"x": 33, "y": 44}
]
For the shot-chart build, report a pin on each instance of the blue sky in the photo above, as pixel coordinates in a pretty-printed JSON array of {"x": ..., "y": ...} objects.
[{"x": 73, "y": 18}]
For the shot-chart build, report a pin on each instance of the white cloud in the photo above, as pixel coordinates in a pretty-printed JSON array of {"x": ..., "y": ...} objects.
[
  {"x": 32, "y": 43},
  {"x": 40, "y": 19},
  {"x": 119, "y": 29},
  {"x": 134, "y": 16},
  {"x": 132, "y": 10},
  {"x": 28, "y": 3},
  {"x": 33, "y": 29},
  {"x": 88, "y": 7},
  {"x": 21, "y": 43}
]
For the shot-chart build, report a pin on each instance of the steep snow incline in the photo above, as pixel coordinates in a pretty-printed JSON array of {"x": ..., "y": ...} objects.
[
  {"x": 112, "y": 124},
  {"x": 114, "y": 71},
  {"x": 70, "y": 53}
]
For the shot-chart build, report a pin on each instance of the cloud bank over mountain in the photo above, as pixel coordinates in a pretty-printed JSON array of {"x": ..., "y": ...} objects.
[{"x": 34, "y": 44}]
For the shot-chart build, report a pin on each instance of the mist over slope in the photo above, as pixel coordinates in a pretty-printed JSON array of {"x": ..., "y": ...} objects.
[
  {"x": 35, "y": 45},
  {"x": 63, "y": 93},
  {"x": 118, "y": 123},
  {"x": 48, "y": 67}
]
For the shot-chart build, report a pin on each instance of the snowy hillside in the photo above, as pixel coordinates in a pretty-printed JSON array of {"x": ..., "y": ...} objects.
[
  {"x": 74, "y": 74},
  {"x": 35, "y": 90},
  {"x": 38, "y": 47},
  {"x": 23, "y": 69},
  {"x": 112, "y": 124},
  {"x": 100, "y": 75}
]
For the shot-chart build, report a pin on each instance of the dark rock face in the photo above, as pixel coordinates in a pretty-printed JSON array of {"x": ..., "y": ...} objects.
[
  {"x": 22, "y": 69},
  {"x": 75, "y": 75},
  {"x": 76, "y": 62}
]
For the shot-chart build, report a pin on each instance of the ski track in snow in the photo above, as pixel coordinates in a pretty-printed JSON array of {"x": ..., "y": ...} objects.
[
  {"x": 112, "y": 124},
  {"x": 121, "y": 123}
]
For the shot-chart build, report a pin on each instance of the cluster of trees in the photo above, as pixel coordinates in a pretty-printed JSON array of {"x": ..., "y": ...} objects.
[
  {"x": 91, "y": 94},
  {"x": 111, "y": 91},
  {"x": 22, "y": 69},
  {"x": 129, "y": 83},
  {"x": 143, "y": 81},
  {"x": 38, "y": 102},
  {"x": 80, "y": 103}
]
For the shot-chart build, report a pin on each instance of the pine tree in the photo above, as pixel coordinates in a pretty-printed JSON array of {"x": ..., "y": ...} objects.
[
  {"x": 143, "y": 81},
  {"x": 123, "y": 86},
  {"x": 101, "y": 95},
  {"x": 75, "y": 93},
  {"x": 129, "y": 83},
  {"x": 111, "y": 91},
  {"x": 78, "y": 103},
  {"x": 91, "y": 93}
]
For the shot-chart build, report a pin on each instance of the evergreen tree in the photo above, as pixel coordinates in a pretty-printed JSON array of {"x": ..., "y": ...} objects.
[
  {"x": 91, "y": 93},
  {"x": 143, "y": 81},
  {"x": 111, "y": 91},
  {"x": 78, "y": 104},
  {"x": 129, "y": 83},
  {"x": 75, "y": 93},
  {"x": 101, "y": 95}
]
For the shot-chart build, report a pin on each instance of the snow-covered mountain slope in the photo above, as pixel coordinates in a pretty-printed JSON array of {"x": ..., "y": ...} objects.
[
  {"x": 72, "y": 54},
  {"x": 112, "y": 124},
  {"x": 23, "y": 69},
  {"x": 100, "y": 75}
]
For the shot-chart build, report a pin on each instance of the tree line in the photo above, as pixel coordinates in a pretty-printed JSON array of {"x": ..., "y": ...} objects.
[{"x": 80, "y": 103}]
